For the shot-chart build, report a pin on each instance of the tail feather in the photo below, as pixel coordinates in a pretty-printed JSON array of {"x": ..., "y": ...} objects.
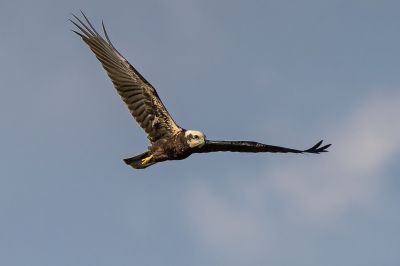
[{"x": 136, "y": 161}]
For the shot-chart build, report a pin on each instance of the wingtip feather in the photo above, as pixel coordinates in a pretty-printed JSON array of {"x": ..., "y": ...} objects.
[
  {"x": 106, "y": 34},
  {"x": 81, "y": 35},
  {"x": 90, "y": 24},
  {"x": 317, "y": 149}
]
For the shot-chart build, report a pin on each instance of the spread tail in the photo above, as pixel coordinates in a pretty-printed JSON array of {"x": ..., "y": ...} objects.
[{"x": 137, "y": 161}]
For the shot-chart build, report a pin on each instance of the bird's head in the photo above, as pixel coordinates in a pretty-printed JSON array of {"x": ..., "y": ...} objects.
[{"x": 195, "y": 139}]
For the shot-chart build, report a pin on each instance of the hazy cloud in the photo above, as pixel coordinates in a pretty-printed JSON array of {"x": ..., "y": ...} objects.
[{"x": 311, "y": 190}]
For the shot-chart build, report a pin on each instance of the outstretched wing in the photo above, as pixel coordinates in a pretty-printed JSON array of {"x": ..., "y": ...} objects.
[
  {"x": 138, "y": 94},
  {"x": 251, "y": 146}
]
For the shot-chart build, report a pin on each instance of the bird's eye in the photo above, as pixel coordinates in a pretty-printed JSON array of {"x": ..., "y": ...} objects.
[{"x": 196, "y": 137}]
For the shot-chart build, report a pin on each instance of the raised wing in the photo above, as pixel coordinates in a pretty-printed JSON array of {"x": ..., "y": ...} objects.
[
  {"x": 138, "y": 94},
  {"x": 251, "y": 146}
]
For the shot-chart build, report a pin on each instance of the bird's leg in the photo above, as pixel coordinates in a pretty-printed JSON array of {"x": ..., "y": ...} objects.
[{"x": 147, "y": 159}]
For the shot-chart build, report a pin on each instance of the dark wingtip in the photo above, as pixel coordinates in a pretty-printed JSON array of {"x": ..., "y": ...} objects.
[
  {"x": 106, "y": 35},
  {"x": 78, "y": 33},
  {"x": 88, "y": 29},
  {"x": 317, "y": 149},
  {"x": 316, "y": 145}
]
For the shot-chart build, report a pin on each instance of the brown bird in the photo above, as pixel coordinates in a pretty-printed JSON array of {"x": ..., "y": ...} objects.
[{"x": 168, "y": 140}]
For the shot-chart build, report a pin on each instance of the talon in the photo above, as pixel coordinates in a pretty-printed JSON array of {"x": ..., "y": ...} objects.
[{"x": 147, "y": 159}]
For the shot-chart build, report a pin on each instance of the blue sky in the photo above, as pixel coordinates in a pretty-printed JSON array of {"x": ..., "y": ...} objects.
[{"x": 280, "y": 72}]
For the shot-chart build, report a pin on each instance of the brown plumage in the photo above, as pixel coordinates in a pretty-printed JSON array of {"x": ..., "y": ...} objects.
[{"x": 168, "y": 140}]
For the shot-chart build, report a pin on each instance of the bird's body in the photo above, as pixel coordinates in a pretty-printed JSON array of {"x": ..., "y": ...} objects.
[
  {"x": 171, "y": 148},
  {"x": 168, "y": 140}
]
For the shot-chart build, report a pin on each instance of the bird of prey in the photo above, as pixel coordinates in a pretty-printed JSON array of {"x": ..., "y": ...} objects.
[{"x": 168, "y": 140}]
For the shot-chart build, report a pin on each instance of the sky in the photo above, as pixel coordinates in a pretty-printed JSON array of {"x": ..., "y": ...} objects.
[{"x": 285, "y": 73}]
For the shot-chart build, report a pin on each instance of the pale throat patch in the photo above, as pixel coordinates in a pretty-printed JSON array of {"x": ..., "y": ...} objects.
[{"x": 195, "y": 139}]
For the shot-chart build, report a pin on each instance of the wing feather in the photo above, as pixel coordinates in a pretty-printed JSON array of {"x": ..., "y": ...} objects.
[
  {"x": 138, "y": 94},
  {"x": 251, "y": 146}
]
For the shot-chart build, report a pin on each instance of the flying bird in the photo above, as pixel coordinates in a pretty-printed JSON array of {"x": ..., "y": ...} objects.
[{"x": 168, "y": 140}]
